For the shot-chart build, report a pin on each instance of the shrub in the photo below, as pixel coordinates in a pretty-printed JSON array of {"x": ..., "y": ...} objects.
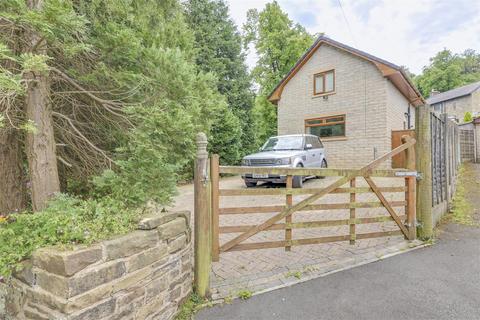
[{"x": 66, "y": 222}]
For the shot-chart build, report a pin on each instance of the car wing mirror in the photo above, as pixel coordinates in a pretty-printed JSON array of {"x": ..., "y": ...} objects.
[{"x": 308, "y": 146}]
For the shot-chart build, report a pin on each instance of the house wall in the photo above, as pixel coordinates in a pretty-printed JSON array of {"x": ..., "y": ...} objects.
[
  {"x": 475, "y": 102},
  {"x": 360, "y": 94},
  {"x": 457, "y": 107},
  {"x": 398, "y": 105}
]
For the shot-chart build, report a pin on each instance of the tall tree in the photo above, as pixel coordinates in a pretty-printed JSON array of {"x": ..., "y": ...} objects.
[
  {"x": 107, "y": 88},
  {"x": 218, "y": 47},
  {"x": 40, "y": 142},
  {"x": 13, "y": 187},
  {"x": 279, "y": 43},
  {"x": 448, "y": 70}
]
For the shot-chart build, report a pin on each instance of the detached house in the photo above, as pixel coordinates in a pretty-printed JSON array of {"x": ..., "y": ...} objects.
[{"x": 349, "y": 98}]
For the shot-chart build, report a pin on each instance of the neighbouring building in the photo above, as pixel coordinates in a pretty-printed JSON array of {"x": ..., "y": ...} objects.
[
  {"x": 457, "y": 102},
  {"x": 349, "y": 98}
]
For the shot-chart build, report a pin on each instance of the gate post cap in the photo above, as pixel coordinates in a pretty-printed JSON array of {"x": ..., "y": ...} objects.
[{"x": 201, "y": 142}]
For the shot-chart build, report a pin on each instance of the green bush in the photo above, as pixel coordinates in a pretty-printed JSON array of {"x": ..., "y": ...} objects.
[
  {"x": 66, "y": 222},
  {"x": 467, "y": 117}
]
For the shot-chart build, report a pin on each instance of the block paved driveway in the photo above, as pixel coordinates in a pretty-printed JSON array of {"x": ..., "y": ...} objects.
[{"x": 258, "y": 270}]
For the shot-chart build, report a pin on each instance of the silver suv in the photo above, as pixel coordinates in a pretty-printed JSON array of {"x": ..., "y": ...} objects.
[{"x": 288, "y": 151}]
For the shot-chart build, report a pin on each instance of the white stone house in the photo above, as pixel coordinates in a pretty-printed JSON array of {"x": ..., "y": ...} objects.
[{"x": 349, "y": 98}]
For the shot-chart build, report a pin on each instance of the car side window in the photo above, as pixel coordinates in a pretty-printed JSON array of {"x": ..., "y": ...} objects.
[
  {"x": 314, "y": 142},
  {"x": 320, "y": 144},
  {"x": 309, "y": 140}
]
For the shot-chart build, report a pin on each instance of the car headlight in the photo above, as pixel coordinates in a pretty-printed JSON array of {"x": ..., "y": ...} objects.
[
  {"x": 245, "y": 162},
  {"x": 283, "y": 161}
]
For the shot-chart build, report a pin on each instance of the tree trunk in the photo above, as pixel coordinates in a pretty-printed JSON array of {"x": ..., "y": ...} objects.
[
  {"x": 40, "y": 143},
  {"x": 13, "y": 191},
  {"x": 12, "y": 186}
]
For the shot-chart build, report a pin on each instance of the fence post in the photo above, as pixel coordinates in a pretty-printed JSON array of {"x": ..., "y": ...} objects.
[
  {"x": 215, "y": 184},
  {"x": 202, "y": 227},
  {"x": 424, "y": 167},
  {"x": 410, "y": 194}
]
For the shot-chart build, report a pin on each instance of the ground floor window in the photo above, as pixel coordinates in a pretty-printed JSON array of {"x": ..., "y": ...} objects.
[{"x": 324, "y": 127}]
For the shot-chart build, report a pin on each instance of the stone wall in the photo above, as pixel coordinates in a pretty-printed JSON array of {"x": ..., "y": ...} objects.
[
  {"x": 143, "y": 275},
  {"x": 3, "y": 292}
]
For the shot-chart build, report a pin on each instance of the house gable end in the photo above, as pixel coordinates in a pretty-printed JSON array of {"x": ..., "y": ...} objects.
[{"x": 388, "y": 70}]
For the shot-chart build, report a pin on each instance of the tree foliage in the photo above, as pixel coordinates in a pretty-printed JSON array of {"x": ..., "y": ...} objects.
[
  {"x": 448, "y": 70},
  {"x": 279, "y": 43},
  {"x": 218, "y": 46},
  {"x": 127, "y": 100}
]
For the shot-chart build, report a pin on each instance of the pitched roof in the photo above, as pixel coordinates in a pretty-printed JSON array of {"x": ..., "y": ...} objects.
[
  {"x": 388, "y": 69},
  {"x": 454, "y": 93}
]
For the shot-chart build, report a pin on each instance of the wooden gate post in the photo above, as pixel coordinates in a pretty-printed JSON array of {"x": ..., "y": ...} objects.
[
  {"x": 424, "y": 167},
  {"x": 202, "y": 227}
]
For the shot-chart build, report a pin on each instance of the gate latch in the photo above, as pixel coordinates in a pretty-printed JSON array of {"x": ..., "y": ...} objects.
[{"x": 415, "y": 174}]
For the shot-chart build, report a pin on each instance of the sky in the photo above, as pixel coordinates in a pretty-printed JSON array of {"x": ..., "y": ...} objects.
[{"x": 404, "y": 32}]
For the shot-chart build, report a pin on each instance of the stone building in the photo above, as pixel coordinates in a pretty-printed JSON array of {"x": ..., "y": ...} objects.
[
  {"x": 458, "y": 101},
  {"x": 349, "y": 98}
]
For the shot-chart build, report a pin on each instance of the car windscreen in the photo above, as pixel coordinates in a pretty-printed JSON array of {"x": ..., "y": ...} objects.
[{"x": 283, "y": 143}]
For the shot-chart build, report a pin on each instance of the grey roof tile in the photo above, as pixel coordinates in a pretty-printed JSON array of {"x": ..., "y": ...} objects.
[{"x": 454, "y": 93}]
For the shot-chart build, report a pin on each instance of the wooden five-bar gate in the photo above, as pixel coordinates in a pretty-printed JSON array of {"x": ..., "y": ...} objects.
[{"x": 208, "y": 229}]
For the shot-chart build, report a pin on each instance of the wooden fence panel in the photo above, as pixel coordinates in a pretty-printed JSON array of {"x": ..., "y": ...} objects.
[{"x": 446, "y": 142}]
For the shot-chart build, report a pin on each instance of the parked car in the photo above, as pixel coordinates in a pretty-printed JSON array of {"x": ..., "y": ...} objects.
[{"x": 287, "y": 151}]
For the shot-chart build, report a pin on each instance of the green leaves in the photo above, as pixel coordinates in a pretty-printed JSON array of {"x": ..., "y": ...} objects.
[
  {"x": 36, "y": 63},
  {"x": 57, "y": 22},
  {"x": 67, "y": 221},
  {"x": 448, "y": 71},
  {"x": 468, "y": 117},
  {"x": 279, "y": 44},
  {"x": 218, "y": 47}
]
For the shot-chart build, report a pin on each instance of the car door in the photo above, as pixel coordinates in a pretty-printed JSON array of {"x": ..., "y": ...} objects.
[
  {"x": 321, "y": 151},
  {"x": 313, "y": 154}
]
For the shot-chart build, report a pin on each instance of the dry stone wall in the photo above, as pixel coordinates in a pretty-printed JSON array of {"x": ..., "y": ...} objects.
[{"x": 143, "y": 275}]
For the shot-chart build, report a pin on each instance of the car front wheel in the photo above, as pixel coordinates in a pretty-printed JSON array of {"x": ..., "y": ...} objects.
[
  {"x": 323, "y": 165},
  {"x": 298, "y": 180}
]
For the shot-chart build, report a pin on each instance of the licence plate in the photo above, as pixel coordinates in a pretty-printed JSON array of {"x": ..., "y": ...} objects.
[{"x": 259, "y": 176}]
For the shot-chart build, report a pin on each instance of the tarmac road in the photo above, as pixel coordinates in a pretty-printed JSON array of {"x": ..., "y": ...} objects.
[{"x": 436, "y": 282}]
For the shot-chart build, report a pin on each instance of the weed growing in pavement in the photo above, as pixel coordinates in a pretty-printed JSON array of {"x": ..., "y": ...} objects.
[
  {"x": 190, "y": 307},
  {"x": 244, "y": 294},
  {"x": 296, "y": 274}
]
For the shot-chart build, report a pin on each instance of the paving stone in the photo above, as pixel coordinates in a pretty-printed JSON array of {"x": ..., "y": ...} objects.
[{"x": 269, "y": 266}]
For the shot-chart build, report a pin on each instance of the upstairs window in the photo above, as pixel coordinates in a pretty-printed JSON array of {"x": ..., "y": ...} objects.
[
  {"x": 324, "y": 82},
  {"x": 333, "y": 126}
]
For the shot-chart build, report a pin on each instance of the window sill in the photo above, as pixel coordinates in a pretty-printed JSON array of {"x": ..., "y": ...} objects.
[
  {"x": 334, "y": 139},
  {"x": 323, "y": 94}
]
